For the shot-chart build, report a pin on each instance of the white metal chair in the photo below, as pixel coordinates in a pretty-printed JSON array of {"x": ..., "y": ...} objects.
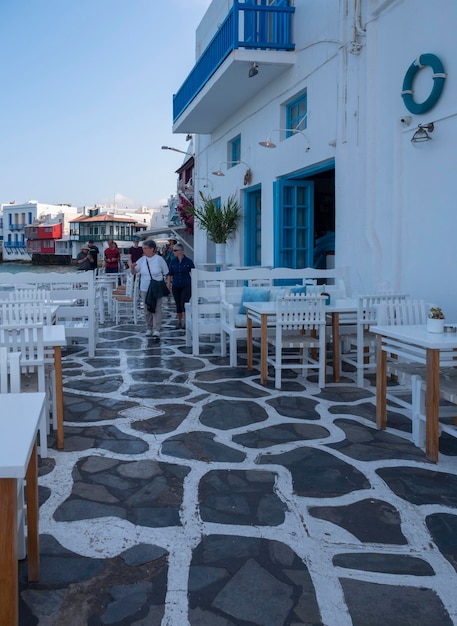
[{"x": 300, "y": 328}]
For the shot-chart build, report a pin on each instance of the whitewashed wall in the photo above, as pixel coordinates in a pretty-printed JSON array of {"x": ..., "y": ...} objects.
[{"x": 395, "y": 219}]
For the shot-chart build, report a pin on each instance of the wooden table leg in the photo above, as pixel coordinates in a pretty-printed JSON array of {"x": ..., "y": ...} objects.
[
  {"x": 336, "y": 347},
  {"x": 249, "y": 340},
  {"x": 33, "y": 544},
  {"x": 432, "y": 404},
  {"x": 9, "y": 587},
  {"x": 263, "y": 349},
  {"x": 381, "y": 384},
  {"x": 59, "y": 395}
]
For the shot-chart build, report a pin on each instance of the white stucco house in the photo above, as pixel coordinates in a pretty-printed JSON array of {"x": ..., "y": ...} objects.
[{"x": 341, "y": 88}]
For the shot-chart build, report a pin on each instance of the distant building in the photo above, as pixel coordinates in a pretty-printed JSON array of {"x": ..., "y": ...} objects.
[{"x": 43, "y": 223}]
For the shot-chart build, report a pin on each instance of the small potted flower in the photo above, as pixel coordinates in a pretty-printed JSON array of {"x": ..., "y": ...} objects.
[{"x": 435, "y": 320}]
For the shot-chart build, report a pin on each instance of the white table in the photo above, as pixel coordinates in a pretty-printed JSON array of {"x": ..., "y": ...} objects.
[
  {"x": 414, "y": 343},
  {"x": 20, "y": 414},
  {"x": 264, "y": 313},
  {"x": 54, "y": 337}
]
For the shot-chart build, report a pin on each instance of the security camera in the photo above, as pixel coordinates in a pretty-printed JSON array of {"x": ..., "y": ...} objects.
[{"x": 406, "y": 120}]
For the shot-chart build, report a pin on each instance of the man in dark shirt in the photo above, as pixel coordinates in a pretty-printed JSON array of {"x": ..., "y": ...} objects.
[
  {"x": 135, "y": 252},
  {"x": 94, "y": 252}
]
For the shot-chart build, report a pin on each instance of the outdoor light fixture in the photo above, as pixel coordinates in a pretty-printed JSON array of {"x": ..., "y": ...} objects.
[
  {"x": 219, "y": 172},
  {"x": 253, "y": 70},
  {"x": 293, "y": 131},
  {"x": 174, "y": 149},
  {"x": 422, "y": 132}
]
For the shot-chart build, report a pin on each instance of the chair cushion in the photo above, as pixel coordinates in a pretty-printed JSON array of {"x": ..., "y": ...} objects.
[
  {"x": 252, "y": 294},
  {"x": 276, "y": 293},
  {"x": 300, "y": 289}
]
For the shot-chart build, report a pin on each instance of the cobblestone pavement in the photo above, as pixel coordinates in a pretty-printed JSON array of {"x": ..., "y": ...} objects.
[{"x": 189, "y": 494}]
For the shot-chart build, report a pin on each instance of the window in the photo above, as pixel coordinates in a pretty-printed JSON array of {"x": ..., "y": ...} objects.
[
  {"x": 296, "y": 114},
  {"x": 234, "y": 151}
]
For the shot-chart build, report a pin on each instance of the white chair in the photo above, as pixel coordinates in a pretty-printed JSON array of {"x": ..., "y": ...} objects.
[
  {"x": 127, "y": 303},
  {"x": 300, "y": 326},
  {"x": 10, "y": 382},
  {"x": 29, "y": 294},
  {"x": 27, "y": 339},
  {"x": 362, "y": 352},
  {"x": 23, "y": 312}
]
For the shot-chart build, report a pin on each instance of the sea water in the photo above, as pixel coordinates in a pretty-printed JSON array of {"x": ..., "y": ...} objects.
[{"x": 15, "y": 268}]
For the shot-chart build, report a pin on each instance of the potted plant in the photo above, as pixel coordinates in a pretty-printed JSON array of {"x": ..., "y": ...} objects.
[
  {"x": 219, "y": 220},
  {"x": 435, "y": 320}
]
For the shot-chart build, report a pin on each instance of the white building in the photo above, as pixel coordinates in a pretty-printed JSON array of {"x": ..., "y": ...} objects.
[
  {"x": 334, "y": 71},
  {"x": 16, "y": 217}
]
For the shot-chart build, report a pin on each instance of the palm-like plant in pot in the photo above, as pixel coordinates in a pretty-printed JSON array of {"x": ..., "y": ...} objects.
[{"x": 219, "y": 220}]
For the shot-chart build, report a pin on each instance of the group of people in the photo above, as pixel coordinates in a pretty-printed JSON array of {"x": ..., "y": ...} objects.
[{"x": 172, "y": 266}]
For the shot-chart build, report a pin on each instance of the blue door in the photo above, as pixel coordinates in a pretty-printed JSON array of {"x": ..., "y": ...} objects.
[
  {"x": 294, "y": 223},
  {"x": 253, "y": 227}
]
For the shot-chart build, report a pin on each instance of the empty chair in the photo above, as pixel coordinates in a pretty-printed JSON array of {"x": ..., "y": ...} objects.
[
  {"x": 28, "y": 341},
  {"x": 22, "y": 312},
  {"x": 10, "y": 382},
  {"x": 362, "y": 354},
  {"x": 127, "y": 302},
  {"x": 29, "y": 294},
  {"x": 402, "y": 311},
  {"x": 300, "y": 328}
]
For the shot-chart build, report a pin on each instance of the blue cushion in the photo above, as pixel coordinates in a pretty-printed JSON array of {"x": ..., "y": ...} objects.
[
  {"x": 301, "y": 289},
  {"x": 253, "y": 294}
]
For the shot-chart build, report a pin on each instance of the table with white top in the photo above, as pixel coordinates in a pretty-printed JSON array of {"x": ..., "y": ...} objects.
[
  {"x": 264, "y": 314},
  {"x": 20, "y": 415},
  {"x": 417, "y": 345},
  {"x": 54, "y": 337}
]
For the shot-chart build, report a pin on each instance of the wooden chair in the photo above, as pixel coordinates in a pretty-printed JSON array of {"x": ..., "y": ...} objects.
[
  {"x": 126, "y": 301},
  {"x": 10, "y": 382},
  {"x": 27, "y": 339},
  {"x": 299, "y": 329},
  {"x": 362, "y": 352}
]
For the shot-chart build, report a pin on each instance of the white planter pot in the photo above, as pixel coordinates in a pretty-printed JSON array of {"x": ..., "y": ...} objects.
[
  {"x": 435, "y": 326},
  {"x": 220, "y": 253}
]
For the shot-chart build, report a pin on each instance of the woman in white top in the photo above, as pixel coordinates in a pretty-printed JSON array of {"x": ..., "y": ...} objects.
[{"x": 154, "y": 263}]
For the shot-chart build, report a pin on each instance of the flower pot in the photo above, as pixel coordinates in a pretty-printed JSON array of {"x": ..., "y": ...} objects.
[
  {"x": 220, "y": 253},
  {"x": 435, "y": 325}
]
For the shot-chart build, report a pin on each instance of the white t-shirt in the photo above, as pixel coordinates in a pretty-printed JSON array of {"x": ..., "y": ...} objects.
[{"x": 158, "y": 268}]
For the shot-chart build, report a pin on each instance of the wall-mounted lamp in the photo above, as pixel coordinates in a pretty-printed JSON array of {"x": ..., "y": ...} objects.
[
  {"x": 174, "y": 149},
  {"x": 219, "y": 172},
  {"x": 422, "y": 132},
  {"x": 207, "y": 184},
  {"x": 293, "y": 131},
  {"x": 253, "y": 70}
]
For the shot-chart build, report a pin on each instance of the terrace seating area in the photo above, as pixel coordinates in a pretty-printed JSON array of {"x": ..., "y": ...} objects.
[{"x": 178, "y": 466}]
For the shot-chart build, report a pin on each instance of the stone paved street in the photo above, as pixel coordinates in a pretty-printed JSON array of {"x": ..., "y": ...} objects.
[{"x": 189, "y": 494}]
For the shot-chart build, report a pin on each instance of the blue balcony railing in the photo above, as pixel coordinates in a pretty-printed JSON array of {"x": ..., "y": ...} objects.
[
  {"x": 247, "y": 25},
  {"x": 16, "y": 226},
  {"x": 14, "y": 244}
]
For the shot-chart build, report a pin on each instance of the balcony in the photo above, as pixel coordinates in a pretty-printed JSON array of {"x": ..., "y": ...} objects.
[
  {"x": 219, "y": 83},
  {"x": 16, "y": 226}
]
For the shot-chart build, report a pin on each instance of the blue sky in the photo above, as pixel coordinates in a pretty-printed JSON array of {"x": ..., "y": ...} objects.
[{"x": 86, "y": 98}]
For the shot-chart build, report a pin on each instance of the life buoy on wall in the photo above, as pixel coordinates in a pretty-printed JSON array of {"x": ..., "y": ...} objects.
[{"x": 438, "y": 82}]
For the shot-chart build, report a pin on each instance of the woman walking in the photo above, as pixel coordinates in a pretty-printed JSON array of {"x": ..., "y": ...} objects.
[
  {"x": 151, "y": 267},
  {"x": 179, "y": 279}
]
